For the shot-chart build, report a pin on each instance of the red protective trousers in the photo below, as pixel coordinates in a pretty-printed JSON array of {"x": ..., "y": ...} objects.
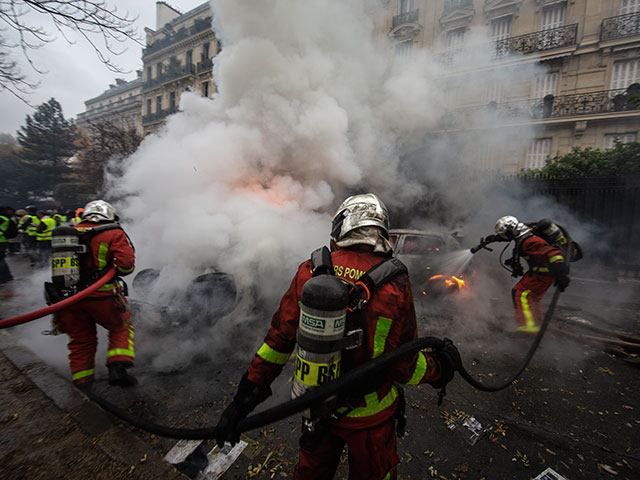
[
  {"x": 372, "y": 454},
  {"x": 79, "y": 322},
  {"x": 527, "y": 295}
]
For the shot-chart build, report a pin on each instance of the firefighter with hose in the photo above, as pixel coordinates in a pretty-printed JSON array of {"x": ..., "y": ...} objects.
[
  {"x": 104, "y": 244},
  {"x": 548, "y": 249},
  {"x": 343, "y": 308}
]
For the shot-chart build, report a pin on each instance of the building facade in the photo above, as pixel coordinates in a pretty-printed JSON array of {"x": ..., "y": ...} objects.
[
  {"x": 547, "y": 75},
  {"x": 178, "y": 56},
  {"x": 121, "y": 105}
]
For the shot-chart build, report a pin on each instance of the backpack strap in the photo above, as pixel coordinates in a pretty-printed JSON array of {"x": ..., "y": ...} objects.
[
  {"x": 371, "y": 281},
  {"x": 321, "y": 263}
]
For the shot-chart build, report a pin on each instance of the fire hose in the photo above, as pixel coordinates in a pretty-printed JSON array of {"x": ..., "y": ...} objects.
[
  {"x": 342, "y": 384},
  {"x": 10, "y": 322}
]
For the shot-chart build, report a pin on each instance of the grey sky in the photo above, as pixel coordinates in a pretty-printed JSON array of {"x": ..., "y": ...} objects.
[{"x": 74, "y": 73}]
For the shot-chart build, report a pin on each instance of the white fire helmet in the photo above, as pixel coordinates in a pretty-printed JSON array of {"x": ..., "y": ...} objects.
[
  {"x": 364, "y": 210},
  {"x": 99, "y": 211},
  {"x": 510, "y": 228}
]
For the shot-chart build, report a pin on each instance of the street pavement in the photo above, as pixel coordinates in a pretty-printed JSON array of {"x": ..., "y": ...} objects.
[{"x": 575, "y": 409}]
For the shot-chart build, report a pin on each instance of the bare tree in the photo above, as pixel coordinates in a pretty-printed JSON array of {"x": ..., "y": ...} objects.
[{"x": 98, "y": 23}]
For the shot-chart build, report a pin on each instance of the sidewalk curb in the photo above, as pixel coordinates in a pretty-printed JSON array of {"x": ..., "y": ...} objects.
[{"x": 115, "y": 441}]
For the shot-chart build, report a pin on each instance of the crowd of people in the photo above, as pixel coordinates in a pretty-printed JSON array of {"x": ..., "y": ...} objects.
[{"x": 28, "y": 231}]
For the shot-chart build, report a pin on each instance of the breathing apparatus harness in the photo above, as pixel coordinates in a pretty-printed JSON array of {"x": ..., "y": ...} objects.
[{"x": 331, "y": 327}]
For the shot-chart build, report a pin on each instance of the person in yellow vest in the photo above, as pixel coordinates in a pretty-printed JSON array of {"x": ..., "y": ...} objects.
[
  {"x": 5, "y": 222},
  {"x": 78, "y": 218},
  {"x": 59, "y": 217},
  {"x": 43, "y": 236},
  {"x": 28, "y": 225}
]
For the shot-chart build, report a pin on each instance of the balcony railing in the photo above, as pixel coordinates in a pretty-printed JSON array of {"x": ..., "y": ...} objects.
[
  {"x": 538, "y": 41},
  {"x": 451, "y": 5},
  {"x": 199, "y": 25},
  {"x": 156, "y": 116},
  {"x": 172, "y": 74},
  {"x": 604, "y": 101},
  {"x": 620, "y": 27},
  {"x": 522, "y": 44},
  {"x": 206, "y": 64},
  {"x": 404, "y": 18}
]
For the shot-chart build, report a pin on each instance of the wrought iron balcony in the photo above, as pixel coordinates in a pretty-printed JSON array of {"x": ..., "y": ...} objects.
[
  {"x": 157, "y": 116},
  {"x": 404, "y": 18},
  {"x": 562, "y": 106},
  {"x": 451, "y": 5},
  {"x": 620, "y": 27},
  {"x": 172, "y": 74},
  {"x": 538, "y": 41},
  {"x": 199, "y": 25},
  {"x": 206, "y": 64}
]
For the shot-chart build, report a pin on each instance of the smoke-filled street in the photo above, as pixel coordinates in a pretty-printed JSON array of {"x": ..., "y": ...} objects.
[{"x": 574, "y": 409}]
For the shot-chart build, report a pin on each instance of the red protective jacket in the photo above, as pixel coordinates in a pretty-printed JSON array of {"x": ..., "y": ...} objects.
[
  {"x": 111, "y": 247},
  {"x": 390, "y": 321},
  {"x": 542, "y": 257}
]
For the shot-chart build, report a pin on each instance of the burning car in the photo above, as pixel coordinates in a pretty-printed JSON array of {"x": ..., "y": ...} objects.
[{"x": 436, "y": 261}]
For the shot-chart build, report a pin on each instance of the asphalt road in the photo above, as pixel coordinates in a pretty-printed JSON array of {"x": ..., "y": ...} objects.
[{"x": 575, "y": 409}]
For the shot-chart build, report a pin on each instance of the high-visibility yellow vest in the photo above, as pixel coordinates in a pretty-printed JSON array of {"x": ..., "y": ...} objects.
[{"x": 45, "y": 235}]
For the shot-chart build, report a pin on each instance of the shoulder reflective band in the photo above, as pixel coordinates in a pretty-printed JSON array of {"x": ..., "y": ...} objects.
[
  {"x": 273, "y": 356},
  {"x": 421, "y": 368},
  {"x": 380, "y": 337},
  {"x": 314, "y": 374}
]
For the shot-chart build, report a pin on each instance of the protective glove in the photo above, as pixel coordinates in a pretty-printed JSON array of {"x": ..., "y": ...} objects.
[
  {"x": 248, "y": 396},
  {"x": 562, "y": 282},
  {"x": 490, "y": 239},
  {"x": 449, "y": 359}
]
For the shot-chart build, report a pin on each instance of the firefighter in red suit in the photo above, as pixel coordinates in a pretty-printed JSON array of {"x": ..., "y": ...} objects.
[
  {"x": 359, "y": 240},
  {"x": 547, "y": 265},
  {"x": 106, "y": 307}
]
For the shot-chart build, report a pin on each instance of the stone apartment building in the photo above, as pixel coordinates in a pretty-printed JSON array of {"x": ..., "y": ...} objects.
[
  {"x": 582, "y": 59},
  {"x": 177, "y": 57},
  {"x": 121, "y": 104}
]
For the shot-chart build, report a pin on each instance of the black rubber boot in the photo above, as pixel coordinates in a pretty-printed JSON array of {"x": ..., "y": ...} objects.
[
  {"x": 118, "y": 375},
  {"x": 85, "y": 387}
]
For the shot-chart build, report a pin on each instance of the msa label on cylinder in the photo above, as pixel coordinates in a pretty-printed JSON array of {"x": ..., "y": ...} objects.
[
  {"x": 313, "y": 374},
  {"x": 322, "y": 325}
]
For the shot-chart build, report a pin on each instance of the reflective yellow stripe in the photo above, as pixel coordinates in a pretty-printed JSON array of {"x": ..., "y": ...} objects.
[
  {"x": 529, "y": 328},
  {"x": 373, "y": 406},
  {"x": 555, "y": 258},
  {"x": 130, "y": 352},
  {"x": 528, "y": 316},
  {"x": 107, "y": 286},
  {"x": 540, "y": 269},
  {"x": 380, "y": 337},
  {"x": 125, "y": 270},
  {"x": 270, "y": 355},
  {"x": 387, "y": 476},
  {"x": 102, "y": 255},
  {"x": 82, "y": 374},
  {"x": 421, "y": 368}
]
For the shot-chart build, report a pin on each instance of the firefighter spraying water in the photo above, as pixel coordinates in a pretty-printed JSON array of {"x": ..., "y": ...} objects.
[{"x": 548, "y": 249}]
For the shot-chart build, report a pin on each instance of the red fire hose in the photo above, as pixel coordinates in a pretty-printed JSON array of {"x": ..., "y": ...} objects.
[{"x": 10, "y": 322}]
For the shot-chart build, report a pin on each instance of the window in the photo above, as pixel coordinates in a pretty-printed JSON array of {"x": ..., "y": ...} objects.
[
  {"x": 148, "y": 106},
  {"x": 172, "y": 100},
  {"x": 494, "y": 92},
  {"x": 455, "y": 39},
  {"x": 501, "y": 28},
  {"x": 149, "y": 74},
  {"x": 158, "y": 69},
  {"x": 158, "y": 104},
  {"x": 625, "y": 73},
  {"x": 629, "y": 6},
  {"x": 189, "y": 58},
  {"x": 205, "y": 51},
  {"x": 205, "y": 89},
  {"x": 544, "y": 85},
  {"x": 553, "y": 16},
  {"x": 537, "y": 155},
  {"x": 404, "y": 48},
  {"x": 611, "y": 139},
  {"x": 405, "y": 6}
]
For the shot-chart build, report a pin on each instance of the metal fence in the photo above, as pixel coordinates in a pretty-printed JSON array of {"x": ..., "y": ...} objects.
[{"x": 612, "y": 203}]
